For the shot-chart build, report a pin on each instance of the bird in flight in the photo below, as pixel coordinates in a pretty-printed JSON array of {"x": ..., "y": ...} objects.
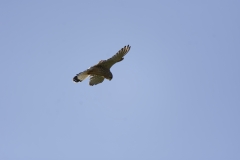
[{"x": 101, "y": 70}]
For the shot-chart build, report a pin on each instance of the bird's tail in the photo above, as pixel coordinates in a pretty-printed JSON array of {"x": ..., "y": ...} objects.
[{"x": 80, "y": 77}]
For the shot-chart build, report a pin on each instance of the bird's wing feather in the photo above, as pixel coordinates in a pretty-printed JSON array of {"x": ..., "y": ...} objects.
[
  {"x": 116, "y": 58},
  {"x": 95, "y": 79}
]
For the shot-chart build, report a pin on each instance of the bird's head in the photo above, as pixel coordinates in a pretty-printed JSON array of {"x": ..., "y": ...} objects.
[{"x": 109, "y": 76}]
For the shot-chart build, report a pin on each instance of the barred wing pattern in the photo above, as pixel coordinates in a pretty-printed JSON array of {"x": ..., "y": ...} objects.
[
  {"x": 116, "y": 58},
  {"x": 94, "y": 80}
]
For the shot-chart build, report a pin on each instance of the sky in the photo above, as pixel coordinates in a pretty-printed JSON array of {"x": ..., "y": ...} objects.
[{"x": 176, "y": 94}]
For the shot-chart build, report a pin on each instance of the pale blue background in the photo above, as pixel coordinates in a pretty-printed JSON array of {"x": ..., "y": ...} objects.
[{"x": 176, "y": 95}]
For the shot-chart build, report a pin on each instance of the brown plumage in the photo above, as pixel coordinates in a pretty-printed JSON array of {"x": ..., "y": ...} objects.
[{"x": 101, "y": 70}]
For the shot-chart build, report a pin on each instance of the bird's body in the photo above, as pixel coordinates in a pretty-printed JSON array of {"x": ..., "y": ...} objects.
[{"x": 101, "y": 70}]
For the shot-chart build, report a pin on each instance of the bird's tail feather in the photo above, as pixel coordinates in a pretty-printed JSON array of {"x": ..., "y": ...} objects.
[{"x": 80, "y": 77}]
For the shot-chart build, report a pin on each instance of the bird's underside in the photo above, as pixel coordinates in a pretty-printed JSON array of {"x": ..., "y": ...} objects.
[{"x": 101, "y": 70}]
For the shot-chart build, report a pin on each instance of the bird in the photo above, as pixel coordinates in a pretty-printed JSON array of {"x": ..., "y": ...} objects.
[{"x": 101, "y": 70}]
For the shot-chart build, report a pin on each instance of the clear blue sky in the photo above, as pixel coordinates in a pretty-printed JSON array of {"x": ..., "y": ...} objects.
[{"x": 176, "y": 95}]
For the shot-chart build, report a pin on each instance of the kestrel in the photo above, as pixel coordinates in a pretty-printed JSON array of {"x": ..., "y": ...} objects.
[{"x": 101, "y": 70}]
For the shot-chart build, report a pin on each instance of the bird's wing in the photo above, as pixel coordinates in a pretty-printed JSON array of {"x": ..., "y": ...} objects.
[
  {"x": 116, "y": 58},
  {"x": 94, "y": 80}
]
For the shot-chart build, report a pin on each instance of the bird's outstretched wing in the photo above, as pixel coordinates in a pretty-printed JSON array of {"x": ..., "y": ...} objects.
[
  {"x": 116, "y": 58},
  {"x": 94, "y": 80}
]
